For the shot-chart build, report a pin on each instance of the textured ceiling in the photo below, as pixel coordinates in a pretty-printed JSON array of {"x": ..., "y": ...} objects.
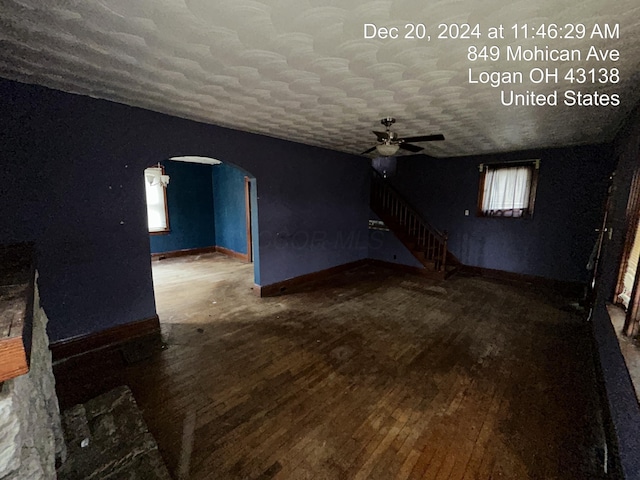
[{"x": 303, "y": 71}]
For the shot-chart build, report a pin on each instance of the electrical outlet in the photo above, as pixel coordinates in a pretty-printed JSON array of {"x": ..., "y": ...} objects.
[{"x": 466, "y": 213}]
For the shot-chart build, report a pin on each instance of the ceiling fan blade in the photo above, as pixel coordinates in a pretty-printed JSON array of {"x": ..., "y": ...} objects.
[
  {"x": 411, "y": 148},
  {"x": 424, "y": 138},
  {"x": 382, "y": 136},
  {"x": 368, "y": 151}
]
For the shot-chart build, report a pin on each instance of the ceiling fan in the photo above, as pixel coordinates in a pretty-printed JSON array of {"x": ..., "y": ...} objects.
[{"x": 389, "y": 142}]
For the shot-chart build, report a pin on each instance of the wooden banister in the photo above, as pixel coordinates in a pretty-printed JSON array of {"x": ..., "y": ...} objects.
[{"x": 403, "y": 219}]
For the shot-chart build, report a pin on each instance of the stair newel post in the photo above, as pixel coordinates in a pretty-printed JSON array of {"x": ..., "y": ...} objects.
[{"x": 445, "y": 236}]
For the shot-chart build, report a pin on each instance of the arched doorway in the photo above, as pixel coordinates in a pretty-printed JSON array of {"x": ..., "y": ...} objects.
[{"x": 210, "y": 205}]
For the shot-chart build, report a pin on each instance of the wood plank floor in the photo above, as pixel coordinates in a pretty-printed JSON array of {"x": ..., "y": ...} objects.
[{"x": 378, "y": 375}]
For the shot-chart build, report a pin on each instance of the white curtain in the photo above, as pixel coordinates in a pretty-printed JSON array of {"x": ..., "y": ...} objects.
[{"x": 506, "y": 191}]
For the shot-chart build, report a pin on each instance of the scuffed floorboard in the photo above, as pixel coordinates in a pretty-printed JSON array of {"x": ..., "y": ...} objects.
[{"x": 376, "y": 375}]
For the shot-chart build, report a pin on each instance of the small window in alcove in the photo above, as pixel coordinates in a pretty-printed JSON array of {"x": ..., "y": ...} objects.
[{"x": 157, "y": 212}]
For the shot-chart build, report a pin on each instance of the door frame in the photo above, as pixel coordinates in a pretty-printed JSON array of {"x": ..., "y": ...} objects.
[
  {"x": 632, "y": 317},
  {"x": 247, "y": 206}
]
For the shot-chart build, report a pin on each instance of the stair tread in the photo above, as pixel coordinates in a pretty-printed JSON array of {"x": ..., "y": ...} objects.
[{"x": 420, "y": 246}]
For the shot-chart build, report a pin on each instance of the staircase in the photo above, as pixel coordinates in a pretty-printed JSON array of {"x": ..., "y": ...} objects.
[{"x": 424, "y": 241}]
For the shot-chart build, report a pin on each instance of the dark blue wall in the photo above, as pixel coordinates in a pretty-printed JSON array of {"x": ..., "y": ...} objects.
[
  {"x": 385, "y": 246},
  {"x": 72, "y": 183},
  {"x": 190, "y": 205},
  {"x": 315, "y": 216},
  {"x": 230, "y": 210},
  {"x": 555, "y": 243}
]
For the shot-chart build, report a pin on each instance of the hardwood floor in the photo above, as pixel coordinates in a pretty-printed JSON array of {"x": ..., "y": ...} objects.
[{"x": 379, "y": 375}]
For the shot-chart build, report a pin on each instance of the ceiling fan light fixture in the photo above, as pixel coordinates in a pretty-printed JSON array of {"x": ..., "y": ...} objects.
[{"x": 387, "y": 150}]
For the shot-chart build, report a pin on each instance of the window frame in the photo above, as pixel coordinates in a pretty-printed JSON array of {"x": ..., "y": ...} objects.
[
  {"x": 533, "y": 164},
  {"x": 167, "y": 228}
]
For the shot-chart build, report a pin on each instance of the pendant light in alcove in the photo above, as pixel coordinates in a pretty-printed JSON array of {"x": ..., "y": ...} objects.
[{"x": 156, "y": 176}]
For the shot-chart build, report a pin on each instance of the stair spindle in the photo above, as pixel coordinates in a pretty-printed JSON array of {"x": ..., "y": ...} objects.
[{"x": 416, "y": 233}]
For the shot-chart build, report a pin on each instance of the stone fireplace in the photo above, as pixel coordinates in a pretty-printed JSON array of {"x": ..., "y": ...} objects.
[{"x": 31, "y": 438}]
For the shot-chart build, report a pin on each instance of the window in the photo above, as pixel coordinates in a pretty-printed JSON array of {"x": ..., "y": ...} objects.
[
  {"x": 508, "y": 190},
  {"x": 157, "y": 212}
]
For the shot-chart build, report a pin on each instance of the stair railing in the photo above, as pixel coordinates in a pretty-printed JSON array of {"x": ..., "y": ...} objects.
[{"x": 391, "y": 207}]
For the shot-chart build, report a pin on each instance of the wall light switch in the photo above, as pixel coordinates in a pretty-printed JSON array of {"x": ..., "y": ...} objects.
[{"x": 466, "y": 213}]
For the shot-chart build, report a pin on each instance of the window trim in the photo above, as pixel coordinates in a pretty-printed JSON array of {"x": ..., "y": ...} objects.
[
  {"x": 534, "y": 164},
  {"x": 167, "y": 229}
]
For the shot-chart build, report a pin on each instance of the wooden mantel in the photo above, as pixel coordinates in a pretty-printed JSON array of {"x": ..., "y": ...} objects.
[{"x": 17, "y": 273}]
